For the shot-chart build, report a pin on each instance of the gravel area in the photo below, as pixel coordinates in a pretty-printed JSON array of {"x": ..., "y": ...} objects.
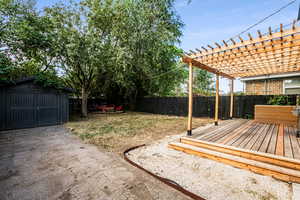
[{"x": 209, "y": 179}]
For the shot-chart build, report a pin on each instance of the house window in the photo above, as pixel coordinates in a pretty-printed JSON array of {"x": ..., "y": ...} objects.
[{"x": 292, "y": 86}]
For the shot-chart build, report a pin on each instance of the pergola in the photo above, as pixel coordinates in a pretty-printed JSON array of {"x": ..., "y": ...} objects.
[{"x": 271, "y": 53}]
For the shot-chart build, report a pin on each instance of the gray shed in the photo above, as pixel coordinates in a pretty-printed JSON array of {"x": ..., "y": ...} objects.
[{"x": 25, "y": 104}]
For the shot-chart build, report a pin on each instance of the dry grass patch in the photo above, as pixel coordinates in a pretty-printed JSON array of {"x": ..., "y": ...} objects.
[{"x": 116, "y": 132}]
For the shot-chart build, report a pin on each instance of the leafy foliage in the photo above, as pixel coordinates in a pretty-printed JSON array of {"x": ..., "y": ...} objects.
[
  {"x": 26, "y": 44},
  {"x": 121, "y": 49},
  {"x": 203, "y": 82},
  {"x": 6, "y": 66},
  {"x": 142, "y": 47},
  {"x": 279, "y": 100}
]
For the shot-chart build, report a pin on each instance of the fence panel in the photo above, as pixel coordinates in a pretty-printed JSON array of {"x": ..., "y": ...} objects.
[{"x": 205, "y": 106}]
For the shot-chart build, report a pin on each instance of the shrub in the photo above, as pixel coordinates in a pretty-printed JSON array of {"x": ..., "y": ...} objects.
[{"x": 279, "y": 100}]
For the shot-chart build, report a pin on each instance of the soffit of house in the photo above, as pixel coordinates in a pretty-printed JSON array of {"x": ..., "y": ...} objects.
[
  {"x": 270, "y": 53},
  {"x": 272, "y": 76}
]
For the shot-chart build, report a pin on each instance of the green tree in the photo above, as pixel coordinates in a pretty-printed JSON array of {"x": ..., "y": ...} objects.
[
  {"x": 112, "y": 47},
  {"x": 143, "y": 54},
  {"x": 81, "y": 48},
  {"x": 26, "y": 42},
  {"x": 6, "y": 67},
  {"x": 203, "y": 82}
]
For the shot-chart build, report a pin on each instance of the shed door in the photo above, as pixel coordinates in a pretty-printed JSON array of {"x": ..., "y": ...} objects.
[
  {"x": 47, "y": 109},
  {"x": 21, "y": 111},
  {"x": 26, "y": 110}
]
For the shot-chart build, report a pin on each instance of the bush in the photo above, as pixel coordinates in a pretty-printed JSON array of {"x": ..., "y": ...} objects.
[{"x": 279, "y": 100}]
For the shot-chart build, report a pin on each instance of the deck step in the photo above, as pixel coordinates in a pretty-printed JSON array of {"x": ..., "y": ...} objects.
[
  {"x": 278, "y": 172},
  {"x": 244, "y": 153}
]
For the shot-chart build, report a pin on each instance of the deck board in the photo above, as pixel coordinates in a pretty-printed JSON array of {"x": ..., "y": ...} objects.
[
  {"x": 246, "y": 131},
  {"x": 259, "y": 141},
  {"x": 294, "y": 142},
  {"x": 272, "y": 145},
  {"x": 221, "y": 130},
  {"x": 278, "y": 139},
  {"x": 242, "y": 141},
  {"x": 214, "y": 130},
  {"x": 233, "y": 134},
  {"x": 258, "y": 134},
  {"x": 197, "y": 134},
  {"x": 226, "y": 132},
  {"x": 269, "y": 128},
  {"x": 288, "y": 152}
]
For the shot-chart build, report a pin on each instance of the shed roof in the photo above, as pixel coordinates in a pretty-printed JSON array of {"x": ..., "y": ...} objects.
[
  {"x": 271, "y": 53},
  {"x": 29, "y": 79}
]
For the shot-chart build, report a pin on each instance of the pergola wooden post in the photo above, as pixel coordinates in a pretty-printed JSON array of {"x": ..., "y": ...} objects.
[
  {"x": 189, "y": 128},
  {"x": 217, "y": 101},
  {"x": 231, "y": 99}
]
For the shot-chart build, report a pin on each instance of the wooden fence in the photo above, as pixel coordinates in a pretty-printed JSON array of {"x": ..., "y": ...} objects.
[{"x": 205, "y": 106}]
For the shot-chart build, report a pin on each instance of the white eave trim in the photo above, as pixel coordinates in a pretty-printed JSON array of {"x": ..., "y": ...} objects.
[{"x": 270, "y": 76}]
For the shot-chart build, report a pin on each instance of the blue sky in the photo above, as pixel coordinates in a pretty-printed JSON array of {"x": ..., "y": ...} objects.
[{"x": 209, "y": 21}]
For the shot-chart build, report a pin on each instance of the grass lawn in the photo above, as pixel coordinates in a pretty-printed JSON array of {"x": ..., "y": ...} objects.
[{"x": 116, "y": 132}]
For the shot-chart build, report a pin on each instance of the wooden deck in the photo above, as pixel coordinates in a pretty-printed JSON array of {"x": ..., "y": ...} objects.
[
  {"x": 267, "y": 149},
  {"x": 278, "y": 139}
]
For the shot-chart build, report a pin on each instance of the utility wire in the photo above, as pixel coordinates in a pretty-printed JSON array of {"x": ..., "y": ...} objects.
[
  {"x": 162, "y": 74},
  {"x": 265, "y": 18},
  {"x": 247, "y": 29}
]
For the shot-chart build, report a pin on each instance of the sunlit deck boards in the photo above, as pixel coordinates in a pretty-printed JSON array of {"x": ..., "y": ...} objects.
[{"x": 278, "y": 139}]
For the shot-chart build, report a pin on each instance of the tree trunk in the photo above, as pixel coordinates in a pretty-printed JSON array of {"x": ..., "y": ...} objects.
[
  {"x": 84, "y": 98},
  {"x": 132, "y": 101}
]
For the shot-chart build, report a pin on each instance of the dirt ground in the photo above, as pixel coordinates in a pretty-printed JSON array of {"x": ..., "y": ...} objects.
[
  {"x": 117, "y": 132},
  {"x": 207, "y": 178},
  {"x": 51, "y": 163}
]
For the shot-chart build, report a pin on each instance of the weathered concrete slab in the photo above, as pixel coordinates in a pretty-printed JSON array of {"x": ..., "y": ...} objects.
[{"x": 50, "y": 163}]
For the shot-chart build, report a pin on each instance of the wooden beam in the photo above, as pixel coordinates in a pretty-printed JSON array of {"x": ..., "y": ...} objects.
[
  {"x": 187, "y": 59},
  {"x": 274, "y": 52},
  {"x": 259, "y": 34},
  {"x": 268, "y": 47},
  {"x": 232, "y": 40},
  {"x": 217, "y": 100},
  {"x": 251, "y": 51},
  {"x": 284, "y": 174},
  {"x": 245, "y": 153},
  {"x": 231, "y": 98},
  {"x": 190, "y": 114},
  {"x": 241, "y": 39},
  {"x": 254, "y": 41},
  {"x": 270, "y": 31},
  {"x": 219, "y": 46},
  {"x": 193, "y": 52},
  {"x": 198, "y": 50},
  {"x": 210, "y": 47},
  {"x": 294, "y": 25},
  {"x": 250, "y": 37}
]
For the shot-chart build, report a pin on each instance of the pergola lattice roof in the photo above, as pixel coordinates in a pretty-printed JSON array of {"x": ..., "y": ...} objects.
[{"x": 272, "y": 53}]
